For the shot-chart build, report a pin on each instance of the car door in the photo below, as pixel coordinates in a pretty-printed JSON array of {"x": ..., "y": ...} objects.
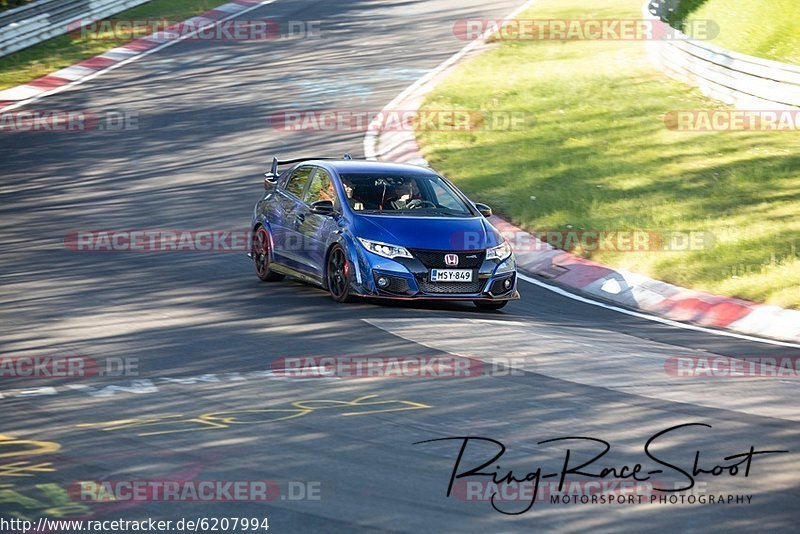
[
  {"x": 315, "y": 229},
  {"x": 287, "y": 243}
]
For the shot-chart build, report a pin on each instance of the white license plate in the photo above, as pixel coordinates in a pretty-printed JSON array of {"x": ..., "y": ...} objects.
[{"x": 451, "y": 275}]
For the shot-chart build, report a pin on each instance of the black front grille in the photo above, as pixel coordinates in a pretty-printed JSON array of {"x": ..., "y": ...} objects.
[
  {"x": 450, "y": 287},
  {"x": 434, "y": 259}
]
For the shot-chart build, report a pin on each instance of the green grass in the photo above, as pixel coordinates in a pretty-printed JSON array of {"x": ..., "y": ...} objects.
[
  {"x": 598, "y": 156},
  {"x": 65, "y": 50},
  {"x": 11, "y": 4},
  {"x": 764, "y": 28}
]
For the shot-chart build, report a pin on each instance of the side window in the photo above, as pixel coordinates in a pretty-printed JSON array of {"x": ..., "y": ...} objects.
[
  {"x": 297, "y": 183},
  {"x": 321, "y": 188}
]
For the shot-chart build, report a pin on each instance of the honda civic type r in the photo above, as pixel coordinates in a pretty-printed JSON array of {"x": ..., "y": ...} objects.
[{"x": 381, "y": 230}]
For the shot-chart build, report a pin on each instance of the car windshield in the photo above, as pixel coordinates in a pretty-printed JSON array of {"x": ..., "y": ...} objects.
[{"x": 420, "y": 194}]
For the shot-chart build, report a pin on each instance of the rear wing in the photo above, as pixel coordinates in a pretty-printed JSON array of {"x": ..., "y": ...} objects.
[{"x": 272, "y": 176}]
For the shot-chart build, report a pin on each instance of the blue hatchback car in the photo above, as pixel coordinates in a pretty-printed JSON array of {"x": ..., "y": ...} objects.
[{"x": 380, "y": 230}]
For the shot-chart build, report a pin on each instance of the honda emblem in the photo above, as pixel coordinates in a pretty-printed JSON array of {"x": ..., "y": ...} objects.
[{"x": 451, "y": 260}]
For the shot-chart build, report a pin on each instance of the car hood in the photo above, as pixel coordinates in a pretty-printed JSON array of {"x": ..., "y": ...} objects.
[{"x": 432, "y": 233}]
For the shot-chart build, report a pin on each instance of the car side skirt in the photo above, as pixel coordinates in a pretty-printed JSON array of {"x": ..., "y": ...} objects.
[{"x": 288, "y": 271}]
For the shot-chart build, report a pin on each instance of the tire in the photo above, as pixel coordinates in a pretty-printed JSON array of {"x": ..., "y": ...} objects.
[
  {"x": 260, "y": 251},
  {"x": 490, "y": 305},
  {"x": 337, "y": 274}
]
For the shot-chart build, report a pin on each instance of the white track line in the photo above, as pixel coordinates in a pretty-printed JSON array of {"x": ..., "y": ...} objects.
[
  {"x": 654, "y": 318},
  {"x": 136, "y": 57}
]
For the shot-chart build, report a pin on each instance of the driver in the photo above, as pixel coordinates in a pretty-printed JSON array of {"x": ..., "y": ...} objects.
[{"x": 402, "y": 193}]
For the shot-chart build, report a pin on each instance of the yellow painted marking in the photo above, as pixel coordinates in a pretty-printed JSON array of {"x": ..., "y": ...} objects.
[
  {"x": 37, "y": 447},
  {"x": 56, "y": 502},
  {"x": 171, "y": 419},
  {"x": 233, "y": 420},
  {"x": 220, "y": 420},
  {"x": 119, "y": 424},
  {"x": 25, "y": 469}
]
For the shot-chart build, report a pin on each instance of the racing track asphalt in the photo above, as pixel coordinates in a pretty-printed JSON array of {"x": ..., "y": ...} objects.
[{"x": 195, "y": 163}]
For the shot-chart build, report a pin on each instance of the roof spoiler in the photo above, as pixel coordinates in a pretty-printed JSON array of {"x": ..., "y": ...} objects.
[{"x": 272, "y": 176}]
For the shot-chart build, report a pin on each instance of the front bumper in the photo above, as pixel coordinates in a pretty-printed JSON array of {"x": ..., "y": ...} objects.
[
  {"x": 448, "y": 297},
  {"x": 409, "y": 279}
]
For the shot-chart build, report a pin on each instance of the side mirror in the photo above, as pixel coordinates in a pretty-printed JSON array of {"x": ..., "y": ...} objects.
[
  {"x": 484, "y": 210},
  {"x": 322, "y": 207},
  {"x": 270, "y": 179}
]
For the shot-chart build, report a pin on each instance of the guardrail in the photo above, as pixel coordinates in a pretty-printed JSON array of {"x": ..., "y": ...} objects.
[
  {"x": 33, "y": 23},
  {"x": 744, "y": 81}
]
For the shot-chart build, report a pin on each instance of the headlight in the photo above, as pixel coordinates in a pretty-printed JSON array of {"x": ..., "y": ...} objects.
[
  {"x": 500, "y": 252},
  {"x": 384, "y": 249}
]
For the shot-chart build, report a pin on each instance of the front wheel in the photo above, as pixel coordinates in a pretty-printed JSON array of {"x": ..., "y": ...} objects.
[
  {"x": 260, "y": 252},
  {"x": 338, "y": 274},
  {"x": 489, "y": 305}
]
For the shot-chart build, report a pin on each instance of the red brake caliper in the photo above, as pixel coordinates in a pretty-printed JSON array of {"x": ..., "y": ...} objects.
[{"x": 264, "y": 242}]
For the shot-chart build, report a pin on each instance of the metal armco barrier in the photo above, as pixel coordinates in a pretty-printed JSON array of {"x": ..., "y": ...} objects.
[
  {"x": 36, "y": 22},
  {"x": 743, "y": 81}
]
